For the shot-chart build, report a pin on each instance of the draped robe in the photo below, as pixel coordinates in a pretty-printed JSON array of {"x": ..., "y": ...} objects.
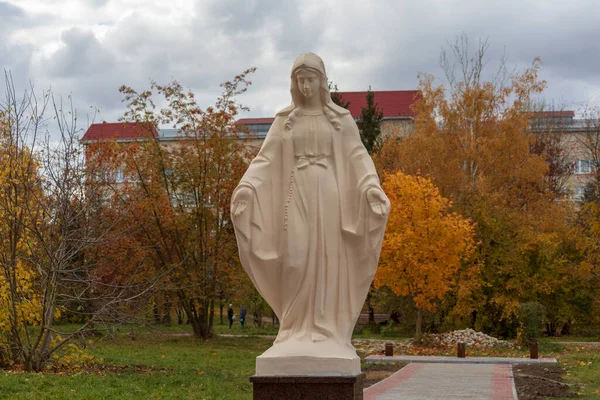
[{"x": 315, "y": 285}]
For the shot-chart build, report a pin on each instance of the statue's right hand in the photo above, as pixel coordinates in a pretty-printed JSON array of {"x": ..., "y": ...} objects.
[{"x": 241, "y": 200}]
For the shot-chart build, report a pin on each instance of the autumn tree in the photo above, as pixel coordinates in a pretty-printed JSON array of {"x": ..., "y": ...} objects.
[
  {"x": 589, "y": 244},
  {"x": 49, "y": 224},
  {"x": 178, "y": 198},
  {"x": 588, "y": 219},
  {"x": 369, "y": 123},
  {"x": 465, "y": 68},
  {"x": 387, "y": 159},
  {"x": 586, "y": 146},
  {"x": 550, "y": 144},
  {"x": 472, "y": 137},
  {"x": 20, "y": 302},
  {"x": 425, "y": 243}
]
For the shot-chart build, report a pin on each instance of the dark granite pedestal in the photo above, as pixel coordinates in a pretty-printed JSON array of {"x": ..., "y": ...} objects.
[{"x": 308, "y": 387}]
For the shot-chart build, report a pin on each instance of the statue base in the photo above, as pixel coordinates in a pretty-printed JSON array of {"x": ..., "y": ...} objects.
[
  {"x": 293, "y": 357},
  {"x": 307, "y": 366},
  {"x": 298, "y": 387}
]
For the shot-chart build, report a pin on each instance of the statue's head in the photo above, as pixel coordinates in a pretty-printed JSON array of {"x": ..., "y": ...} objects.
[{"x": 309, "y": 78}]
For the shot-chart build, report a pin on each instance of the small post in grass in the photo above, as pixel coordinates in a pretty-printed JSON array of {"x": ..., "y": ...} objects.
[
  {"x": 533, "y": 350},
  {"x": 389, "y": 349},
  {"x": 461, "y": 350}
]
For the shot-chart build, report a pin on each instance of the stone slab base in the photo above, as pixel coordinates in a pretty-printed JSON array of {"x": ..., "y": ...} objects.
[
  {"x": 307, "y": 366},
  {"x": 308, "y": 387}
]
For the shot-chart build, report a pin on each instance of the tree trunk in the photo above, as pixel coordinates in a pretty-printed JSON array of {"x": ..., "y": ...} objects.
[
  {"x": 370, "y": 307},
  {"x": 418, "y": 332},
  {"x": 196, "y": 317},
  {"x": 41, "y": 354},
  {"x": 257, "y": 318},
  {"x": 156, "y": 314},
  {"x": 166, "y": 319},
  {"x": 179, "y": 316},
  {"x": 211, "y": 317}
]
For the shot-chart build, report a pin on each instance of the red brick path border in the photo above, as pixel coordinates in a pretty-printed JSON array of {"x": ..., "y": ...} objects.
[
  {"x": 502, "y": 385},
  {"x": 391, "y": 382}
]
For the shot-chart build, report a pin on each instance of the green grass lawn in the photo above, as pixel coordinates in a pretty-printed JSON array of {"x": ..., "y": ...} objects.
[
  {"x": 582, "y": 364},
  {"x": 247, "y": 329},
  {"x": 184, "y": 368}
]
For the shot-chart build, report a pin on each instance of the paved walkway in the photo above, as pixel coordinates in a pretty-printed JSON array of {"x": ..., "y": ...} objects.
[{"x": 433, "y": 381}]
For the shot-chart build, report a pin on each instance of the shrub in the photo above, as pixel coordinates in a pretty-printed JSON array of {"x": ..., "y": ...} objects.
[{"x": 531, "y": 316}]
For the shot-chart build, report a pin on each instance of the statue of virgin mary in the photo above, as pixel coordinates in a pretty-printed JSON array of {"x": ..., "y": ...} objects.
[{"x": 309, "y": 216}]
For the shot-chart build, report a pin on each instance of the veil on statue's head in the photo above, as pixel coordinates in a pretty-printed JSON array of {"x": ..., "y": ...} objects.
[{"x": 311, "y": 62}]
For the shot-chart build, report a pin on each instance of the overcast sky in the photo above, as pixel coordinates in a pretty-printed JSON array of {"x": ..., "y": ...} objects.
[{"x": 88, "y": 48}]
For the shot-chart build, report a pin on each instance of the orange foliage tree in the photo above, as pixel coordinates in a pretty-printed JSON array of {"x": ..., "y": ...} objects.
[
  {"x": 589, "y": 243},
  {"x": 425, "y": 244},
  {"x": 176, "y": 199},
  {"x": 475, "y": 144}
]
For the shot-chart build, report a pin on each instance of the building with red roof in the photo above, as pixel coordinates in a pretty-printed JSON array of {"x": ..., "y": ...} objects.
[
  {"x": 394, "y": 104},
  {"x": 397, "y": 107},
  {"x": 120, "y": 131}
]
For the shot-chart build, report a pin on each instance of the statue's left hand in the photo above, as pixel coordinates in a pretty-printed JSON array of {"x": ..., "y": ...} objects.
[
  {"x": 378, "y": 201},
  {"x": 240, "y": 201}
]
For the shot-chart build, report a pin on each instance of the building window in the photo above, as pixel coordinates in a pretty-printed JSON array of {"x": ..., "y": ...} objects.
[
  {"x": 119, "y": 176},
  {"x": 185, "y": 200},
  {"x": 584, "y": 167},
  {"x": 258, "y": 130},
  {"x": 578, "y": 193}
]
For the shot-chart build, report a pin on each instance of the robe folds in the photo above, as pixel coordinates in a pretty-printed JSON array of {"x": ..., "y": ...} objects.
[{"x": 308, "y": 238}]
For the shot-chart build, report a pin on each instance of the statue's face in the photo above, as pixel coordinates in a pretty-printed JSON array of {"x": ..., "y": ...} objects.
[{"x": 308, "y": 83}]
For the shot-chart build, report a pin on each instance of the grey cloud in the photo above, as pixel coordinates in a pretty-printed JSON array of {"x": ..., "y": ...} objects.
[
  {"x": 243, "y": 16},
  {"x": 17, "y": 61},
  {"x": 8, "y": 10},
  {"x": 383, "y": 44},
  {"x": 81, "y": 55},
  {"x": 86, "y": 69},
  {"x": 252, "y": 26}
]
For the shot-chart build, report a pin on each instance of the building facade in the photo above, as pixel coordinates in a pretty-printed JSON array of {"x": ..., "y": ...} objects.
[{"x": 579, "y": 142}]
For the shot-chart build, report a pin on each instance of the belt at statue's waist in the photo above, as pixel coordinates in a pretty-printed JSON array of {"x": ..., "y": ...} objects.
[{"x": 305, "y": 161}]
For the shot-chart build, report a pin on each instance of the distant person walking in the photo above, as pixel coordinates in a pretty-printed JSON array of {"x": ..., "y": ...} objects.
[
  {"x": 242, "y": 315},
  {"x": 230, "y": 315}
]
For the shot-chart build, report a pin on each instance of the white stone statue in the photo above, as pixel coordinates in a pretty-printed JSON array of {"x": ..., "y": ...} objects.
[{"x": 309, "y": 217}]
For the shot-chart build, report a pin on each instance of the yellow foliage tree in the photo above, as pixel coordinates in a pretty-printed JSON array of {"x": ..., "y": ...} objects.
[
  {"x": 425, "y": 244},
  {"x": 46, "y": 225},
  {"x": 20, "y": 303}
]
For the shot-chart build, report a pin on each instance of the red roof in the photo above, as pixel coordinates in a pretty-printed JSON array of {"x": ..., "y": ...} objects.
[
  {"x": 393, "y": 103},
  {"x": 120, "y": 130},
  {"x": 554, "y": 114}
]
